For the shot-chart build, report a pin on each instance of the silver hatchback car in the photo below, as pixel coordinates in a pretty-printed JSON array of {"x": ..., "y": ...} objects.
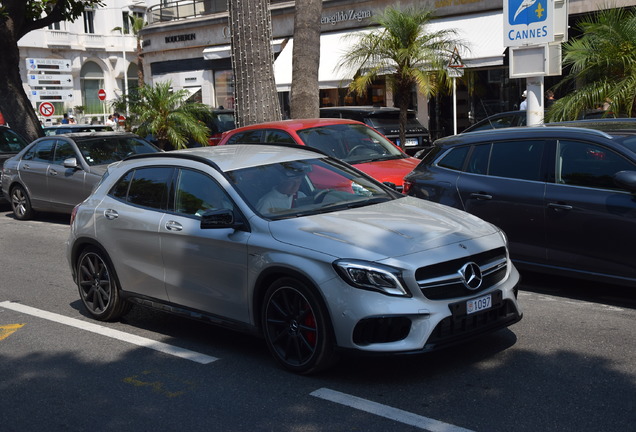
[{"x": 293, "y": 245}]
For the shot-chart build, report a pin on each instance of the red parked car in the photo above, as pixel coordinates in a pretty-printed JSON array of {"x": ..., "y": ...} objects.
[{"x": 347, "y": 140}]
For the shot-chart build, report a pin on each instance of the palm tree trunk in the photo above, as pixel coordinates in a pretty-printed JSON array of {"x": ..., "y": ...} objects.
[
  {"x": 305, "y": 93},
  {"x": 256, "y": 99},
  {"x": 16, "y": 106}
]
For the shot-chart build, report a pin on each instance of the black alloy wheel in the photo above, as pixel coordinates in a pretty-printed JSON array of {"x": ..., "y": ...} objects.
[
  {"x": 98, "y": 286},
  {"x": 296, "y": 327},
  {"x": 21, "y": 203}
]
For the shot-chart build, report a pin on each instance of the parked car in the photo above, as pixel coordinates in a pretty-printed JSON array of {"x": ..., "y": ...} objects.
[
  {"x": 385, "y": 120},
  {"x": 10, "y": 144},
  {"x": 222, "y": 121},
  {"x": 55, "y": 173},
  {"x": 563, "y": 195},
  {"x": 348, "y": 140},
  {"x": 353, "y": 266},
  {"x": 74, "y": 128}
]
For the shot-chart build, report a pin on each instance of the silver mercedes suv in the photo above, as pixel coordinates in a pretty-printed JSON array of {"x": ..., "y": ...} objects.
[{"x": 290, "y": 244}]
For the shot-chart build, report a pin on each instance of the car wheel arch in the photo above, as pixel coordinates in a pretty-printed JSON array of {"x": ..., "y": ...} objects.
[{"x": 272, "y": 274}]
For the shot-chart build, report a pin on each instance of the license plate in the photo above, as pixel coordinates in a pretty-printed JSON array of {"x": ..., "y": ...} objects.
[
  {"x": 410, "y": 142},
  {"x": 478, "y": 304}
]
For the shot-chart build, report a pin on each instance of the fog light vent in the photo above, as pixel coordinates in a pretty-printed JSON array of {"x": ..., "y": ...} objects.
[{"x": 381, "y": 330}]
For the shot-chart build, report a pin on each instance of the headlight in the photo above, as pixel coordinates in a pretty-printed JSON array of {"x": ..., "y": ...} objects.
[{"x": 372, "y": 276}]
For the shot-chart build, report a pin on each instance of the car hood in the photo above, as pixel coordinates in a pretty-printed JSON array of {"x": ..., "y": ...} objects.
[
  {"x": 395, "y": 228},
  {"x": 392, "y": 170}
]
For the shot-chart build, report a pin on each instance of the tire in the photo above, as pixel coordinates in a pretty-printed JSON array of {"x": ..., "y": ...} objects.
[
  {"x": 98, "y": 286},
  {"x": 21, "y": 203},
  {"x": 297, "y": 328}
]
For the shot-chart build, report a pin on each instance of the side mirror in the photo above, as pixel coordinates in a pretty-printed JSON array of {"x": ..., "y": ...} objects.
[
  {"x": 626, "y": 179},
  {"x": 71, "y": 163},
  {"x": 215, "y": 219}
]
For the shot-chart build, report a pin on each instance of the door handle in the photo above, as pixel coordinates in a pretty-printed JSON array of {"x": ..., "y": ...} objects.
[
  {"x": 111, "y": 214},
  {"x": 53, "y": 172},
  {"x": 559, "y": 207},
  {"x": 481, "y": 196},
  {"x": 173, "y": 226}
]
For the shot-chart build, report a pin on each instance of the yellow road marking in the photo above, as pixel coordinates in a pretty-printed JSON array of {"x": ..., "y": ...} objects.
[{"x": 8, "y": 330}]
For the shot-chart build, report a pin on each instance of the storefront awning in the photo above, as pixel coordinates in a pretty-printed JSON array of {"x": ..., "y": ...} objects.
[
  {"x": 482, "y": 33},
  {"x": 224, "y": 51},
  {"x": 332, "y": 47}
]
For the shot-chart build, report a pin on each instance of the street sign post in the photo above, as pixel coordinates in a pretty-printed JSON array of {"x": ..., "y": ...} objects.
[
  {"x": 46, "y": 109},
  {"x": 41, "y": 64},
  {"x": 49, "y": 80},
  {"x": 51, "y": 95},
  {"x": 455, "y": 70},
  {"x": 101, "y": 94}
]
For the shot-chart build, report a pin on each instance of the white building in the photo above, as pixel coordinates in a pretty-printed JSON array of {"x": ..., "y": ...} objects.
[{"x": 99, "y": 58}]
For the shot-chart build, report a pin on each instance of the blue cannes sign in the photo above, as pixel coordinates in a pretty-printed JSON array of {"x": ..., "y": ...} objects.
[{"x": 528, "y": 22}]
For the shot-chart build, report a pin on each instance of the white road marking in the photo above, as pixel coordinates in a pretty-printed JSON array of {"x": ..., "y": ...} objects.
[
  {"x": 398, "y": 415},
  {"x": 111, "y": 333}
]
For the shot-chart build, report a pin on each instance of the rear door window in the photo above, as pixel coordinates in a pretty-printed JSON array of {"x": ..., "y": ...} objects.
[{"x": 146, "y": 187}]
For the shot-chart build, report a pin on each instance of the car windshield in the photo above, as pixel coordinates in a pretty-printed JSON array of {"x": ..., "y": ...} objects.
[
  {"x": 106, "y": 150},
  {"x": 353, "y": 143},
  {"x": 393, "y": 120},
  {"x": 305, "y": 187},
  {"x": 11, "y": 142},
  {"x": 57, "y": 130}
]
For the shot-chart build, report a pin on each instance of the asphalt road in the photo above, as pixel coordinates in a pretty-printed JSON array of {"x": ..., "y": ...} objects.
[{"x": 569, "y": 365}]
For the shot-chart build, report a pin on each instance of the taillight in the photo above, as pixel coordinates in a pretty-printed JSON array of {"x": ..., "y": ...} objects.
[
  {"x": 73, "y": 214},
  {"x": 407, "y": 187}
]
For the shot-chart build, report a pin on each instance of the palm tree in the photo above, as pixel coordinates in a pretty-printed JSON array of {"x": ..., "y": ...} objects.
[
  {"x": 602, "y": 66},
  {"x": 403, "y": 51},
  {"x": 168, "y": 117},
  {"x": 136, "y": 23}
]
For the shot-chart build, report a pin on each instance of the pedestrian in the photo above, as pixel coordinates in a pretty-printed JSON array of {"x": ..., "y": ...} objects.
[
  {"x": 71, "y": 119},
  {"x": 65, "y": 118},
  {"x": 110, "y": 121},
  {"x": 524, "y": 102},
  {"x": 549, "y": 99}
]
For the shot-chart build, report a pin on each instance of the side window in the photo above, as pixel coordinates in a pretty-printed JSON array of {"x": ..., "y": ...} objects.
[
  {"x": 278, "y": 136},
  {"x": 589, "y": 165},
  {"x": 249, "y": 137},
  {"x": 63, "y": 151},
  {"x": 454, "y": 159},
  {"x": 197, "y": 193},
  {"x": 478, "y": 162},
  {"x": 517, "y": 159},
  {"x": 149, "y": 187},
  {"x": 120, "y": 190},
  {"x": 43, "y": 151}
]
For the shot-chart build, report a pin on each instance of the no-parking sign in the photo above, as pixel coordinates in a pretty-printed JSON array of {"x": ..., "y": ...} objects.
[{"x": 46, "y": 109}]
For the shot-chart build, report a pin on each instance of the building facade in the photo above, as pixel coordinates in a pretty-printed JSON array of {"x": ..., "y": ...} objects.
[
  {"x": 187, "y": 42},
  {"x": 83, "y": 57}
]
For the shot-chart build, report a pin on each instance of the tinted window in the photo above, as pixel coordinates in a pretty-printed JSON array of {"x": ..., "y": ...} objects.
[
  {"x": 516, "y": 159},
  {"x": 250, "y": 137},
  {"x": 102, "y": 151},
  {"x": 120, "y": 190},
  {"x": 10, "y": 142},
  {"x": 478, "y": 162},
  {"x": 454, "y": 159},
  {"x": 197, "y": 193},
  {"x": 278, "y": 136},
  {"x": 41, "y": 152},
  {"x": 590, "y": 165},
  {"x": 63, "y": 150},
  {"x": 149, "y": 187}
]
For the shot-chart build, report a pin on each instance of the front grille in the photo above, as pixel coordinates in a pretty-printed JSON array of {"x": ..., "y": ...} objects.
[
  {"x": 443, "y": 281},
  {"x": 457, "y": 328}
]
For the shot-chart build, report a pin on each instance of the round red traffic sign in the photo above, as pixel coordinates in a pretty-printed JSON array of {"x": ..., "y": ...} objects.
[
  {"x": 46, "y": 109},
  {"x": 101, "y": 94}
]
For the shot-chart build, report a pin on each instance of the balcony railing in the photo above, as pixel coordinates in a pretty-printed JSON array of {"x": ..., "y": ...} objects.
[{"x": 183, "y": 9}]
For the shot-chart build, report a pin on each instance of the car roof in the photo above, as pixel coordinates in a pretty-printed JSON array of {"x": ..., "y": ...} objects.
[
  {"x": 75, "y": 126},
  {"x": 86, "y": 135},
  {"x": 539, "y": 131},
  {"x": 363, "y": 109},
  {"x": 610, "y": 125},
  {"x": 297, "y": 124},
  {"x": 239, "y": 156}
]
